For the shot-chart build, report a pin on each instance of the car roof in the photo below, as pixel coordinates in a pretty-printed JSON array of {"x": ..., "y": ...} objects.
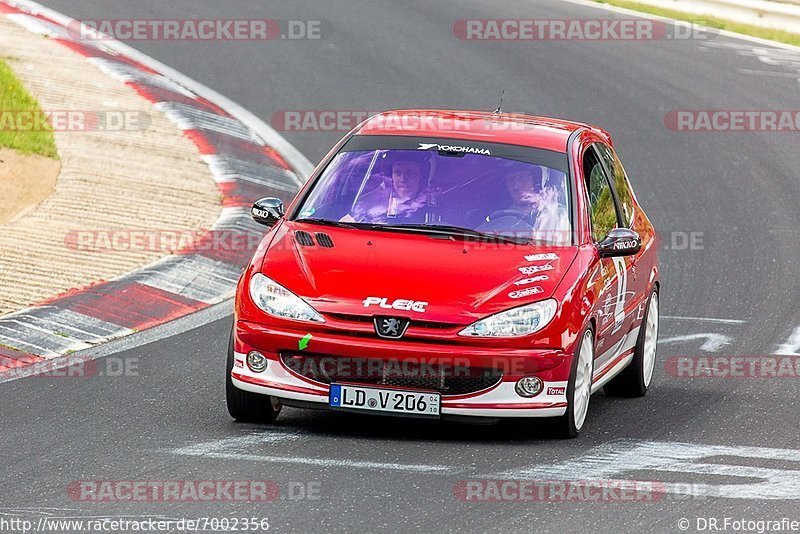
[{"x": 509, "y": 128}]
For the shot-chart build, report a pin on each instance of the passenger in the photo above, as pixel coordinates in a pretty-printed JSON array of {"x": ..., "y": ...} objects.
[{"x": 402, "y": 200}]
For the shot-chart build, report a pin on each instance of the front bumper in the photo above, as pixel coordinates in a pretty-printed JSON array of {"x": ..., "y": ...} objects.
[{"x": 499, "y": 400}]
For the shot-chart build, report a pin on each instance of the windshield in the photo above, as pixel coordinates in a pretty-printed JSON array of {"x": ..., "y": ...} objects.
[{"x": 475, "y": 192}]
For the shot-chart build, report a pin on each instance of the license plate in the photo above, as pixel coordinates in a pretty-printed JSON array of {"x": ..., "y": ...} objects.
[{"x": 418, "y": 403}]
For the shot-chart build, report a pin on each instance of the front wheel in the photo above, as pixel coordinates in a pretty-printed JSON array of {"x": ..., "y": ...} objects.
[
  {"x": 244, "y": 406},
  {"x": 634, "y": 380},
  {"x": 579, "y": 388}
]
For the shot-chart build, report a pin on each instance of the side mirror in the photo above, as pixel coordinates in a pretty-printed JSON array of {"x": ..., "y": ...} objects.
[
  {"x": 620, "y": 242},
  {"x": 267, "y": 211}
]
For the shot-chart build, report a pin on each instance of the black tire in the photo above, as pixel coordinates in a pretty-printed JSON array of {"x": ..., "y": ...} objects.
[
  {"x": 566, "y": 426},
  {"x": 245, "y": 406},
  {"x": 630, "y": 383}
]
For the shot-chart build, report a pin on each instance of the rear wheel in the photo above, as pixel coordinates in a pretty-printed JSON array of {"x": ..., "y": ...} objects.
[
  {"x": 634, "y": 380},
  {"x": 245, "y": 406},
  {"x": 579, "y": 388}
]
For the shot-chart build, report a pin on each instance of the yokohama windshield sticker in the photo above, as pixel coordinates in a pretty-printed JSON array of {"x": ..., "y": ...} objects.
[{"x": 455, "y": 148}]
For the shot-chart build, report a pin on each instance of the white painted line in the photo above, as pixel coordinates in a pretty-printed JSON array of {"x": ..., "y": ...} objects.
[
  {"x": 621, "y": 459},
  {"x": 334, "y": 463},
  {"x": 768, "y": 73},
  {"x": 704, "y": 319},
  {"x": 713, "y": 342},
  {"x": 792, "y": 345},
  {"x": 232, "y": 449},
  {"x": 240, "y": 442}
]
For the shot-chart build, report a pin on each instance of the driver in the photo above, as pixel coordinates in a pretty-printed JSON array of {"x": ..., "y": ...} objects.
[
  {"x": 402, "y": 198},
  {"x": 534, "y": 206},
  {"x": 525, "y": 190}
]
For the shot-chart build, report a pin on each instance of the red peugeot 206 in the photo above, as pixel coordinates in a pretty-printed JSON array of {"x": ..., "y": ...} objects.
[{"x": 450, "y": 264}]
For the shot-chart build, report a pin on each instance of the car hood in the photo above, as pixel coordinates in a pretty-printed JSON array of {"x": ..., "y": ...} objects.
[{"x": 365, "y": 272}]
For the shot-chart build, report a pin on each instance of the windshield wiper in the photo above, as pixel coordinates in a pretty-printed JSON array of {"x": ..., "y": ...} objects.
[
  {"x": 327, "y": 222},
  {"x": 444, "y": 229}
]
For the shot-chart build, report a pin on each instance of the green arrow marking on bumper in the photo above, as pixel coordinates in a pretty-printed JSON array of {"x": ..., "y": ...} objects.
[{"x": 303, "y": 343}]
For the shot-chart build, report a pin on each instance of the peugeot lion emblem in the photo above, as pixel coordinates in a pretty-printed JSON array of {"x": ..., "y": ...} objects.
[{"x": 391, "y": 327}]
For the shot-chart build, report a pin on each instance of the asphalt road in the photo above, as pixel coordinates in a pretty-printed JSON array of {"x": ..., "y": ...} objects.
[{"x": 738, "y": 192}]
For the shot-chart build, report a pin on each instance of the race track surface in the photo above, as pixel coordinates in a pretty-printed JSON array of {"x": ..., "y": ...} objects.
[{"x": 738, "y": 192}]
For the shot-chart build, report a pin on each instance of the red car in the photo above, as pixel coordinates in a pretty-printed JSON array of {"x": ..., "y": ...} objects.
[{"x": 450, "y": 264}]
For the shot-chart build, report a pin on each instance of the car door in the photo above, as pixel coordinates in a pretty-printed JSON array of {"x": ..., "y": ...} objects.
[
  {"x": 612, "y": 283},
  {"x": 636, "y": 291}
]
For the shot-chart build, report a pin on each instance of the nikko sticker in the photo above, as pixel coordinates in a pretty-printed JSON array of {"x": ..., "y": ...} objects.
[
  {"x": 548, "y": 256},
  {"x": 532, "y": 280},
  {"x": 527, "y": 292},
  {"x": 533, "y": 269}
]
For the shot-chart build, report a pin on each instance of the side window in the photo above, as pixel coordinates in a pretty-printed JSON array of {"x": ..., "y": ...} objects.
[
  {"x": 602, "y": 213},
  {"x": 621, "y": 184}
]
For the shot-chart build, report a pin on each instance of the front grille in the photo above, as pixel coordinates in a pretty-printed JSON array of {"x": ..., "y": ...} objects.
[
  {"x": 414, "y": 322},
  {"x": 450, "y": 378}
]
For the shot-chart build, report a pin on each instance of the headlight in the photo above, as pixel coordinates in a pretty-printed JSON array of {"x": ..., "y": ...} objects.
[
  {"x": 515, "y": 322},
  {"x": 276, "y": 300}
]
